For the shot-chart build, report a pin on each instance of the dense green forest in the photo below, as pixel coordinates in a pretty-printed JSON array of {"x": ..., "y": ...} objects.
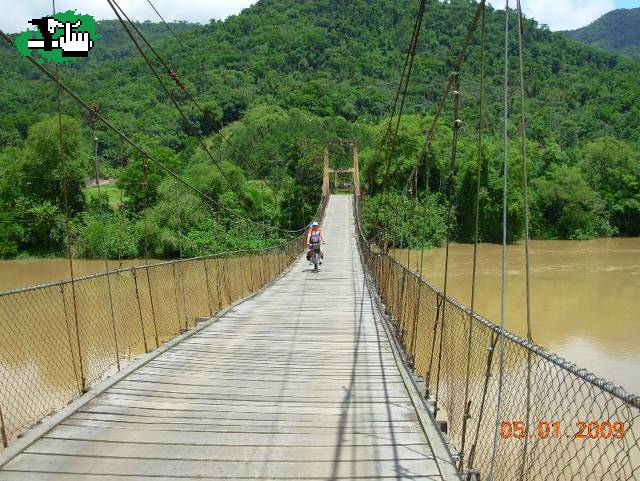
[
  {"x": 616, "y": 32},
  {"x": 283, "y": 78}
]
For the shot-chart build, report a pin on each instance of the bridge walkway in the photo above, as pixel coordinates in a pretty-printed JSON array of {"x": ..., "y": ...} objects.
[{"x": 298, "y": 382}]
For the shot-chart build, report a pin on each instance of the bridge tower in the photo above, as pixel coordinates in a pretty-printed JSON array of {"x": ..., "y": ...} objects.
[{"x": 354, "y": 170}]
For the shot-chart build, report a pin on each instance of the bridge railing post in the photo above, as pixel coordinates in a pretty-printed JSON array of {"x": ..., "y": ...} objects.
[
  {"x": 251, "y": 261},
  {"x": 219, "y": 283},
  {"x": 134, "y": 272},
  {"x": 206, "y": 278},
  {"x": 246, "y": 263},
  {"x": 402, "y": 306},
  {"x": 414, "y": 330},
  {"x": 260, "y": 256},
  {"x": 3, "y": 430},
  {"x": 153, "y": 310},
  {"x": 76, "y": 375},
  {"x": 225, "y": 276},
  {"x": 175, "y": 291}
]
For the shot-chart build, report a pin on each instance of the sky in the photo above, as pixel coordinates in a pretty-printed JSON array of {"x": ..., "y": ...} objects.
[{"x": 557, "y": 14}]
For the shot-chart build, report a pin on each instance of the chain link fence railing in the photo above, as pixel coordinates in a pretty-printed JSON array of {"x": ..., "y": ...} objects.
[
  {"x": 60, "y": 339},
  {"x": 557, "y": 422}
]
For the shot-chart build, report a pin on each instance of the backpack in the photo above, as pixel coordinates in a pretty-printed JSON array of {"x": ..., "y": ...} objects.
[{"x": 315, "y": 237}]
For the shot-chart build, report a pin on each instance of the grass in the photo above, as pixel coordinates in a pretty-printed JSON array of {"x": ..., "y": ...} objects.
[{"x": 112, "y": 192}]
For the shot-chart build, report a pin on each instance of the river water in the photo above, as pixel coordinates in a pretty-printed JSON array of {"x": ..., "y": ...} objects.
[
  {"x": 585, "y": 297},
  {"x": 28, "y": 272},
  {"x": 585, "y": 294}
]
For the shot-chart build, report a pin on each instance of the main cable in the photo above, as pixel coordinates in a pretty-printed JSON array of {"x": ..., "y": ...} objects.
[
  {"x": 166, "y": 25},
  {"x": 404, "y": 88},
  {"x": 172, "y": 74},
  {"x": 186, "y": 119},
  {"x": 525, "y": 188},
  {"x": 505, "y": 187},
  {"x": 385, "y": 138},
  {"x": 476, "y": 241},
  {"x": 457, "y": 66}
]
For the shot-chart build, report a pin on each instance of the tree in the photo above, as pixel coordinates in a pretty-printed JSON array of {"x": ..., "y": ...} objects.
[
  {"x": 132, "y": 177},
  {"x": 42, "y": 167},
  {"x": 566, "y": 207},
  {"x": 613, "y": 169}
]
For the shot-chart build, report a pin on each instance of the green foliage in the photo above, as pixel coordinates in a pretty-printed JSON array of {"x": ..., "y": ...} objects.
[
  {"x": 132, "y": 179},
  {"x": 110, "y": 193},
  {"x": 411, "y": 224},
  {"x": 566, "y": 207},
  {"x": 12, "y": 234},
  {"x": 281, "y": 80},
  {"x": 96, "y": 234},
  {"x": 617, "y": 32},
  {"x": 41, "y": 170},
  {"x": 613, "y": 169}
]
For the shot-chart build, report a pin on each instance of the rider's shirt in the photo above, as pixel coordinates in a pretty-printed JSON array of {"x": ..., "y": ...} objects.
[{"x": 315, "y": 236}]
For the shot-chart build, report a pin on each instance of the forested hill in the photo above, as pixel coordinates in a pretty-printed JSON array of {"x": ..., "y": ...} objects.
[
  {"x": 616, "y": 32},
  {"x": 336, "y": 57},
  {"x": 284, "y": 76},
  {"x": 115, "y": 44}
]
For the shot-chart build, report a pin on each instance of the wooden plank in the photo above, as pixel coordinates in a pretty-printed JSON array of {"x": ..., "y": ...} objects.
[
  {"x": 255, "y": 468},
  {"x": 369, "y": 452},
  {"x": 48, "y": 476}
]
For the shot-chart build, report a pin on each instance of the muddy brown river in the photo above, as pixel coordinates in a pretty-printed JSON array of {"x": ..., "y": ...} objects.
[
  {"x": 585, "y": 294},
  {"x": 15, "y": 274},
  {"x": 585, "y": 297}
]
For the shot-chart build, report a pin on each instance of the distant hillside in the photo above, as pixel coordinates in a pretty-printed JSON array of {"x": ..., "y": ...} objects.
[
  {"x": 115, "y": 43},
  {"x": 616, "y": 32},
  {"x": 285, "y": 76}
]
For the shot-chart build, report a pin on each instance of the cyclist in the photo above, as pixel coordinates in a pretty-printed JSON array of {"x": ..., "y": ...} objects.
[{"x": 315, "y": 238}]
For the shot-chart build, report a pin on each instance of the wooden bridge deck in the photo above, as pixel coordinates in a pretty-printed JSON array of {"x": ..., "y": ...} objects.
[{"x": 298, "y": 382}]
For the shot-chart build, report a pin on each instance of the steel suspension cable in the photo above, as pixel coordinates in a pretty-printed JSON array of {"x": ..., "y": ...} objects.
[
  {"x": 103, "y": 225},
  {"x": 145, "y": 187},
  {"x": 186, "y": 119},
  {"x": 457, "y": 123},
  {"x": 181, "y": 249},
  {"x": 425, "y": 152},
  {"x": 426, "y": 208},
  {"x": 504, "y": 244},
  {"x": 167, "y": 25},
  {"x": 403, "y": 88},
  {"x": 457, "y": 66},
  {"x": 418, "y": 231},
  {"x": 172, "y": 73},
  {"x": 65, "y": 196},
  {"x": 476, "y": 241},
  {"x": 385, "y": 138},
  {"x": 120, "y": 208},
  {"x": 525, "y": 186}
]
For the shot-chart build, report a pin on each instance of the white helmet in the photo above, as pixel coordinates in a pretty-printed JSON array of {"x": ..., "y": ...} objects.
[{"x": 315, "y": 224}]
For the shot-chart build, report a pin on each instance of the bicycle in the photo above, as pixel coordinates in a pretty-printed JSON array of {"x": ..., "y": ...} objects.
[{"x": 315, "y": 255}]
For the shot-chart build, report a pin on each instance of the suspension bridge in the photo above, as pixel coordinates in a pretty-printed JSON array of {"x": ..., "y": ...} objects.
[
  {"x": 246, "y": 365},
  {"x": 297, "y": 381}
]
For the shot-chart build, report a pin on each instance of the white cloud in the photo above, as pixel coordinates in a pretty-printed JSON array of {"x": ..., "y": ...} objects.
[
  {"x": 562, "y": 14},
  {"x": 16, "y": 13},
  {"x": 558, "y": 14}
]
